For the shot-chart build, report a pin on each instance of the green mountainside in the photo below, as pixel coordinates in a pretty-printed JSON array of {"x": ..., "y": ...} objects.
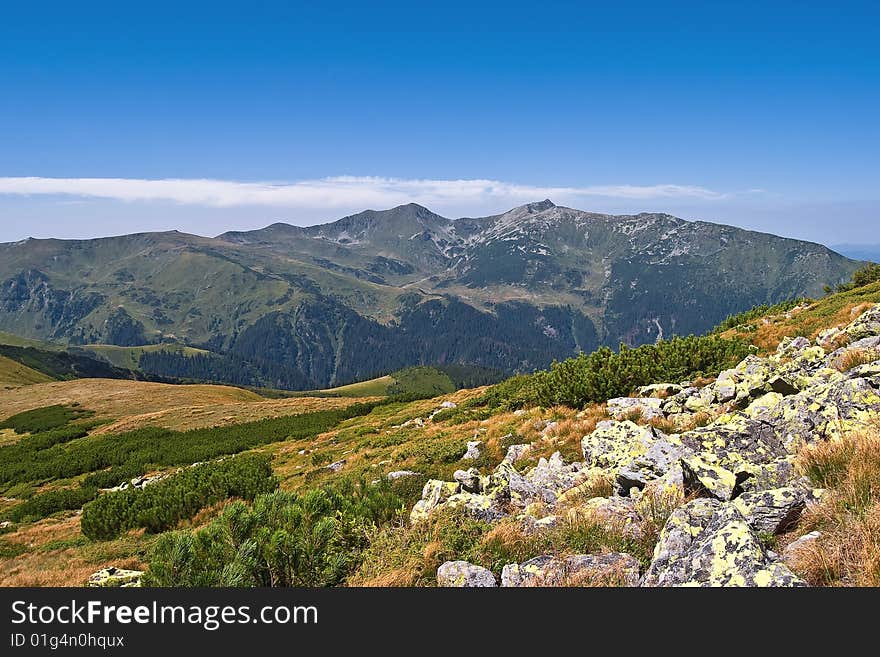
[{"x": 308, "y": 308}]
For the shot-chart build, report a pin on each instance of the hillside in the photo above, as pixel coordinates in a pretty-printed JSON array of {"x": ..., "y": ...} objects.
[
  {"x": 13, "y": 374},
  {"x": 758, "y": 470},
  {"x": 310, "y": 308}
]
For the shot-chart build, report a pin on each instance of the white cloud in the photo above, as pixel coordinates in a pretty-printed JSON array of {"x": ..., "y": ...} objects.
[{"x": 337, "y": 192}]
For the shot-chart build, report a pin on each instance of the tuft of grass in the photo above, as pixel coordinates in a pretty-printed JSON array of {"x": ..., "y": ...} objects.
[
  {"x": 847, "y": 553},
  {"x": 855, "y": 357}
]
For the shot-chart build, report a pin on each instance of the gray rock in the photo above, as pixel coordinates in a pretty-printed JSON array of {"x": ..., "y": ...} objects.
[
  {"x": 115, "y": 578},
  {"x": 461, "y": 574},
  {"x": 474, "y": 450},
  {"x": 336, "y": 466},
  {"x": 400, "y": 474},
  {"x": 621, "y": 408},
  {"x": 805, "y": 542},
  {"x": 773, "y": 511},
  {"x": 708, "y": 543},
  {"x": 614, "y": 569},
  {"x": 469, "y": 479},
  {"x": 516, "y": 452}
]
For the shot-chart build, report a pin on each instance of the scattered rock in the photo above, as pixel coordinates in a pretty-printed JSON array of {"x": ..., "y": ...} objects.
[
  {"x": 469, "y": 479},
  {"x": 115, "y": 578},
  {"x": 516, "y": 452},
  {"x": 400, "y": 474},
  {"x": 336, "y": 466},
  {"x": 461, "y": 574},
  {"x": 578, "y": 570},
  {"x": 621, "y": 408},
  {"x": 474, "y": 450},
  {"x": 773, "y": 511},
  {"x": 800, "y": 545}
]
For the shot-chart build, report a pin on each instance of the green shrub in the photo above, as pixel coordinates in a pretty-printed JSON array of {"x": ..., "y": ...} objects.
[
  {"x": 284, "y": 539},
  {"x": 44, "y": 419},
  {"x": 160, "y": 506},
  {"x": 868, "y": 274},
  {"x": 156, "y": 446},
  {"x": 603, "y": 374},
  {"x": 45, "y": 504}
]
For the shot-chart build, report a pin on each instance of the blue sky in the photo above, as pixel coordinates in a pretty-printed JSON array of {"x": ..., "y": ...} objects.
[{"x": 122, "y": 117}]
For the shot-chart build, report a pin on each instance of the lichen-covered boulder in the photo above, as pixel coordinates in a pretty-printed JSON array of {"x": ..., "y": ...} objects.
[
  {"x": 708, "y": 543},
  {"x": 620, "y": 408},
  {"x": 763, "y": 403},
  {"x": 469, "y": 479},
  {"x": 481, "y": 507},
  {"x": 553, "y": 476},
  {"x": 773, "y": 511},
  {"x": 631, "y": 453},
  {"x": 865, "y": 326},
  {"x": 824, "y": 411},
  {"x": 703, "y": 476},
  {"x": 116, "y": 578},
  {"x": 434, "y": 493},
  {"x": 615, "y": 569},
  {"x": 516, "y": 452},
  {"x": 735, "y": 439},
  {"x": 461, "y": 574}
]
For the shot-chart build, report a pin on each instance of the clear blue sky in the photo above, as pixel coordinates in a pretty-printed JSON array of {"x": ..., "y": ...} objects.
[{"x": 762, "y": 114}]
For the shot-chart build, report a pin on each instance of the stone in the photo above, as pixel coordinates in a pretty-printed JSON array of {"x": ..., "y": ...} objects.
[
  {"x": 615, "y": 569},
  {"x": 516, "y": 452},
  {"x": 448, "y": 404},
  {"x": 112, "y": 577},
  {"x": 659, "y": 390},
  {"x": 474, "y": 450},
  {"x": 703, "y": 476},
  {"x": 631, "y": 453},
  {"x": 469, "y": 479},
  {"x": 336, "y": 466},
  {"x": 481, "y": 507},
  {"x": 865, "y": 326},
  {"x": 648, "y": 408},
  {"x": 763, "y": 403},
  {"x": 434, "y": 493},
  {"x": 708, "y": 543},
  {"x": 800, "y": 545},
  {"x": 772, "y": 511},
  {"x": 618, "y": 513},
  {"x": 400, "y": 474},
  {"x": 461, "y": 574}
]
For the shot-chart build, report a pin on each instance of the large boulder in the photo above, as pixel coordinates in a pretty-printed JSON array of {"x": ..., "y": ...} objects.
[
  {"x": 622, "y": 408},
  {"x": 461, "y": 574},
  {"x": 708, "y": 543},
  {"x": 633, "y": 454},
  {"x": 434, "y": 494},
  {"x": 865, "y": 326},
  {"x": 116, "y": 578},
  {"x": 773, "y": 511},
  {"x": 615, "y": 569}
]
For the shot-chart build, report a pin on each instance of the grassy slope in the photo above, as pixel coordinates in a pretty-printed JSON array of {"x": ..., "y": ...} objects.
[
  {"x": 18, "y": 341},
  {"x": 14, "y": 374},
  {"x": 834, "y": 310},
  {"x": 54, "y": 552}
]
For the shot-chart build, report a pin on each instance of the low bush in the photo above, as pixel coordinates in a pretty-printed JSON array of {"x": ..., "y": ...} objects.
[
  {"x": 45, "y": 504},
  {"x": 160, "y": 506},
  {"x": 44, "y": 419}
]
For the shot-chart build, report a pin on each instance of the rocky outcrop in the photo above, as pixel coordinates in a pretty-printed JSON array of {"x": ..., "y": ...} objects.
[
  {"x": 709, "y": 543},
  {"x": 738, "y": 471}
]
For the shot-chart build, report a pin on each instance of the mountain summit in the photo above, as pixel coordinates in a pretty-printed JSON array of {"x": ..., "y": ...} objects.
[{"x": 383, "y": 289}]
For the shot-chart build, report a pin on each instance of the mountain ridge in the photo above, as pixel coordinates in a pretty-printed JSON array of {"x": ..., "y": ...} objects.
[{"x": 381, "y": 290}]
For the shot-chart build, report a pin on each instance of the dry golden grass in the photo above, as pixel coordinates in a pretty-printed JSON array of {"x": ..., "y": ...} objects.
[
  {"x": 854, "y": 358},
  {"x": 69, "y": 564},
  {"x": 848, "y": 551},
  {"x": 114, "y": 398}
]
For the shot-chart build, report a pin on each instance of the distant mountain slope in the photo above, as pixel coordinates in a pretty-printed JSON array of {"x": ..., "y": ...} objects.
[{"x": 304, "y": 308}]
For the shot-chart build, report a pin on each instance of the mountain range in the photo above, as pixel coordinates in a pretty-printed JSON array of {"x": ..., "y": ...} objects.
[{"x": 305, "y": 307}]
